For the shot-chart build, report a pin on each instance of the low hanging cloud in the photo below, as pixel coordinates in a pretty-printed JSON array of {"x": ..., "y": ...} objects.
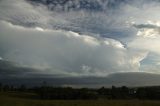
[{"x": 66, "y": 52}]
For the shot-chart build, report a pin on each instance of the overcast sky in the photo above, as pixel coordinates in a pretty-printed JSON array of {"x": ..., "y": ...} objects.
[{"x": 81, "y": 39}]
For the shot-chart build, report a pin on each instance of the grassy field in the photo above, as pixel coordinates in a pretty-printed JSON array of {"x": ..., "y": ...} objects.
[{"x": 26, "y": 99}]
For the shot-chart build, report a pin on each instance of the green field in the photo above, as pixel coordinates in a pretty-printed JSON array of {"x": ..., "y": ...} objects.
[{"x": 28, "y": 99}]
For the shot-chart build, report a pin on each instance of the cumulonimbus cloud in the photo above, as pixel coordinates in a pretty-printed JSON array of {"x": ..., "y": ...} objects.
[
  {"x": 66, "y": 52},
  {"x": 37, "y": 37}
]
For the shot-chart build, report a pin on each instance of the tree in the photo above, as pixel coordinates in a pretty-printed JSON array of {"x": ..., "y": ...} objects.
[
  {"x": 1, "y": 87},
  {"x": 6, "y": 88},
  {"x": 22, "y": 88}
]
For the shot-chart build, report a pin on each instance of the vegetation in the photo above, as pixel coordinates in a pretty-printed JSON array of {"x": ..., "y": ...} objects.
[
  {"x": 23, "y": 99},
  {"x": 68, "y": 93},
  {"x": 67, "y": 96}
]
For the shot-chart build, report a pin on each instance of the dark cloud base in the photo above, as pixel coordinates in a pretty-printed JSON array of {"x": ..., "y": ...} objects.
[
  {"x": 119, "y": 79},
  {"x": 11, "y": 73}
]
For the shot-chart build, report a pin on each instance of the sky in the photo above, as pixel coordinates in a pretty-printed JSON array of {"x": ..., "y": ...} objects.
[{"x": 80, "y": 42}]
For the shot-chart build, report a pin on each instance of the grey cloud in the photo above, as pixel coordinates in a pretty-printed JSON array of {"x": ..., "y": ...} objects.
[
  {"x": 75, "y": 5},
  {"x": 63, "y": 52},
  {"x": 148, "y": 26},
  {"x": 85, "y": 22},
  {"x": 118, "y": 79},
  {"x": 78, "y": 43},
  {"x": 109, "y": 23},
  {"x": 112, "y": 23},
  {"x": 10, "y": 69}
]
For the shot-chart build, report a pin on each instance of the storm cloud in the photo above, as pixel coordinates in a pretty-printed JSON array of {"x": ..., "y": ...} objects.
[
  {"x": 66, "y": 52},
  {"x": 80, "y": 38}
]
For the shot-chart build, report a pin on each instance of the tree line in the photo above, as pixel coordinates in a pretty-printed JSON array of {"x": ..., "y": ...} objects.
[{"x": 69, "y": 93}]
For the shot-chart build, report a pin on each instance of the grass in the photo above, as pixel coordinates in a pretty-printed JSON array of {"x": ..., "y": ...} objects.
[{"x": 27, "y": 99}]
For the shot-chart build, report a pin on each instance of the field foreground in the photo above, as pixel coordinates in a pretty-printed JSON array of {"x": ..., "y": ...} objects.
[{"x": 27, "y": 99}]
